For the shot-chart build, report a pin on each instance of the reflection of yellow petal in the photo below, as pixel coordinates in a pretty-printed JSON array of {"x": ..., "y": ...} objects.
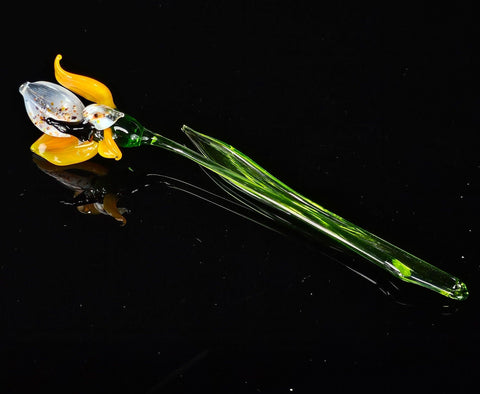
[
  {"x": 89, "y": 209},
  {"x": 64, "y": 151},
  {"x": 110, "y": 206},
  {"x": 87, "y": 166},
  {"x": 108, "y": 147},
  {"x": 86, "y": 87}
]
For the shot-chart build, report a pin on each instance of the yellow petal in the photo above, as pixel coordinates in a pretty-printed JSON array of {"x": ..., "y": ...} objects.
[
  {"x": 64, "y": 151},
  {"x": 107, "y": 147},
  {"x": 86, "y": 87}
]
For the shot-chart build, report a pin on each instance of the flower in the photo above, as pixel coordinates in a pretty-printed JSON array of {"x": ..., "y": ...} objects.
[{"x": 72, "y": 132}]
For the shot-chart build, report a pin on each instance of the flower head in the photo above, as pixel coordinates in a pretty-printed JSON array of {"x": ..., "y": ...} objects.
[{"x": 72, "y": 132}]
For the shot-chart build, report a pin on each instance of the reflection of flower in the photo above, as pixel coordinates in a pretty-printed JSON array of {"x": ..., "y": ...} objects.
[
  {"x": 72, "y": 133},
  {"x": 84, "y": 179}
]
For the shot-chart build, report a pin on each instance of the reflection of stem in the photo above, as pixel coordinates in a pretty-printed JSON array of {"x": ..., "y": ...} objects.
[
  {"x": 243, "y": 209},
  {"x": 247, "y": 176}
]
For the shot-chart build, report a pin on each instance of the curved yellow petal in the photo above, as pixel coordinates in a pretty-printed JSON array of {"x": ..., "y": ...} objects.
[
  {"x": 107, "y": 147},
  {"x": 64, "y": 151},
  {"x": 86, "y": 87}
]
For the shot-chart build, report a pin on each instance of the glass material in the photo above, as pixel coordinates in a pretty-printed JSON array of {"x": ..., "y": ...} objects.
[
  {"x": 101, "y": 116},
  {"x": 45, "y": 100},
  {"x": 247, "y": 176},
  {"x": 84, "y": 86},
  {"x": 48, "y": 105}
]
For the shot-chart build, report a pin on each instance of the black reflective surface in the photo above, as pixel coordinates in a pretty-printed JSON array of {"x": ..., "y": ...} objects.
[{"x": 370, "y": 113}]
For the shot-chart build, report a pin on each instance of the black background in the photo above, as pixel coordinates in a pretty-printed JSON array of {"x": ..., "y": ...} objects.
[{"x": 370, "y": 112}]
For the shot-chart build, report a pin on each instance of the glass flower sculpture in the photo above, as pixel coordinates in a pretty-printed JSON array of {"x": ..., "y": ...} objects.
[{"x": 74, "y": 133}]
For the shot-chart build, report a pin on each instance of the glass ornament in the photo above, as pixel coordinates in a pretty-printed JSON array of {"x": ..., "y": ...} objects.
[{"x": 116, "y": 129}]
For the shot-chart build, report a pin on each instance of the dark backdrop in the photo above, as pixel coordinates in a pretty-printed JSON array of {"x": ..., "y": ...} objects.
[{"x": 370, "y": 112}]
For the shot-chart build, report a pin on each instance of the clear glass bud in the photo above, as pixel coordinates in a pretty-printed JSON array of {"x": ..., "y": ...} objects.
[{"x": 45, "y": 100}]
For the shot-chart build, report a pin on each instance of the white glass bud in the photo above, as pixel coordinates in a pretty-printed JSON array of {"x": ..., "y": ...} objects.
[{"x": 45, "y": 100}]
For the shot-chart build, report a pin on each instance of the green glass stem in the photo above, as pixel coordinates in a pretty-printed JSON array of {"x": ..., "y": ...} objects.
[{"x": 252, "y": 179}]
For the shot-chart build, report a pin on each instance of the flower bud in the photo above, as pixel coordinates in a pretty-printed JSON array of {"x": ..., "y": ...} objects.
[{"x": 45, "y": 100}]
